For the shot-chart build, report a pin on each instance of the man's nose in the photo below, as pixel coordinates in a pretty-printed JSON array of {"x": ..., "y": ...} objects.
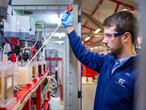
[{"x": 104, "y": 40}]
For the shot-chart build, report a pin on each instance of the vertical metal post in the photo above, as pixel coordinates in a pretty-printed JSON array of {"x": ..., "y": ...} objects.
[
  {"x": 141, "y": 85},
  {"x": 72, "y": 102},
  {"x": 79, "y": 65}
]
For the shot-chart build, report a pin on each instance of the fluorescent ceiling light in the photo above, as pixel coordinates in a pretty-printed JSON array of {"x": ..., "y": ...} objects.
[
  {"x": 87, "y": 38},
  {"x": 97, "y": 31},
  {"x": 91, "y": 48},
  {"x": 124, "y": 9},
  {"x": 96, "y": 47}
]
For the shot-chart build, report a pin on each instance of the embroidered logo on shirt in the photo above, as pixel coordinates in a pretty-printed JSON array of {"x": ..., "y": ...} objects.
[{"x": 121, "y": 82}]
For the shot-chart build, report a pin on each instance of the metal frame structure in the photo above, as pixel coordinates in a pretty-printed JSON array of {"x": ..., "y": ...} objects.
[{"x": 72, "y": 76}]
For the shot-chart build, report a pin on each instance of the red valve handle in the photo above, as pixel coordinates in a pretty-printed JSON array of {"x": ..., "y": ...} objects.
[{"x": 69, "y": 7}]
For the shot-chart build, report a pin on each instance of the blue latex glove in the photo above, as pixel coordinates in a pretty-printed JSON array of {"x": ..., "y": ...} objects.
[{"x": 67, "y": 19}]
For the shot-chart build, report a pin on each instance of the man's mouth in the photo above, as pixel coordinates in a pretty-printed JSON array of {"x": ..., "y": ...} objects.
[{"x": 107, "y": 47}]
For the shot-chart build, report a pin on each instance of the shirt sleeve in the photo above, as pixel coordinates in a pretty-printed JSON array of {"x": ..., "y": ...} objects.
[{"x": 90, "y": 59}]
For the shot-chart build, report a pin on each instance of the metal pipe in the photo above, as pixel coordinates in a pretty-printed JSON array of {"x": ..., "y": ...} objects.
[
  {"x": 100, "y": 2},
  {"x": 88, "y": 27},
  {"x": 124, "y": 4},
  {"x": 116, "y": 9}
]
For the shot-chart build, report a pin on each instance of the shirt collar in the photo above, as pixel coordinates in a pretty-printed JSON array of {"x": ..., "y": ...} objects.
[{"x": 123, "y": 60}]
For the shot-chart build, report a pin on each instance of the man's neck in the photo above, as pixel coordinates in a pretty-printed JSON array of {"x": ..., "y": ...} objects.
[
  {"x": 124, "y": 56},
  {"x": 127, "y": 53}
]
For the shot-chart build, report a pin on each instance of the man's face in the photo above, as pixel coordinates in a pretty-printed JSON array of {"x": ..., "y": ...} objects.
[{"x": 112, "y": 41}]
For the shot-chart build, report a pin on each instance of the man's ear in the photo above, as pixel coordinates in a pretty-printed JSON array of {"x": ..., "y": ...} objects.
[{"x": 126, "y": 37}]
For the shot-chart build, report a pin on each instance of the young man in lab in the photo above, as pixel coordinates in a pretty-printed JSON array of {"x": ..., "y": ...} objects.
[{"x": 115, "y": 88}]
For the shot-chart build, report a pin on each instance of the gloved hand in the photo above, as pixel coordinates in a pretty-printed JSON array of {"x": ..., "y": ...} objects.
[{"x": 67, "y": 19}]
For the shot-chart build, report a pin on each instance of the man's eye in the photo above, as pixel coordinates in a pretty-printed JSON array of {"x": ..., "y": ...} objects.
[{"x": 108, "y": 35}]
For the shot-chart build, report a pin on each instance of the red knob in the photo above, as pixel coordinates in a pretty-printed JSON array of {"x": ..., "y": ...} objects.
[{"x": 69, "y": 7}]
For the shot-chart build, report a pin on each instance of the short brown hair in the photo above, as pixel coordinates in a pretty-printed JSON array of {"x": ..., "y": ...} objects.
[{"x": 125, "y": 21}]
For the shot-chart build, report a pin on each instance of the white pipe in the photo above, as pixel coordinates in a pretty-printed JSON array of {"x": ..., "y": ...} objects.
[
  {"x": 45, "y": 43},
  {"x": 36, "y": 40}
]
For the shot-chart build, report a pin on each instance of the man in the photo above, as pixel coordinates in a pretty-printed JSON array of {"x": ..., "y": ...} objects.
[{"x": 115, "y": 88}]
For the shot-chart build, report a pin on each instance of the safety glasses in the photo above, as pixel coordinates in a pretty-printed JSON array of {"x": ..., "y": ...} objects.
[{"x": 116, "y": 34}]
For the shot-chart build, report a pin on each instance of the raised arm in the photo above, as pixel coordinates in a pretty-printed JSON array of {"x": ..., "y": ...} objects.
[{"x": 88, "y": 58}]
